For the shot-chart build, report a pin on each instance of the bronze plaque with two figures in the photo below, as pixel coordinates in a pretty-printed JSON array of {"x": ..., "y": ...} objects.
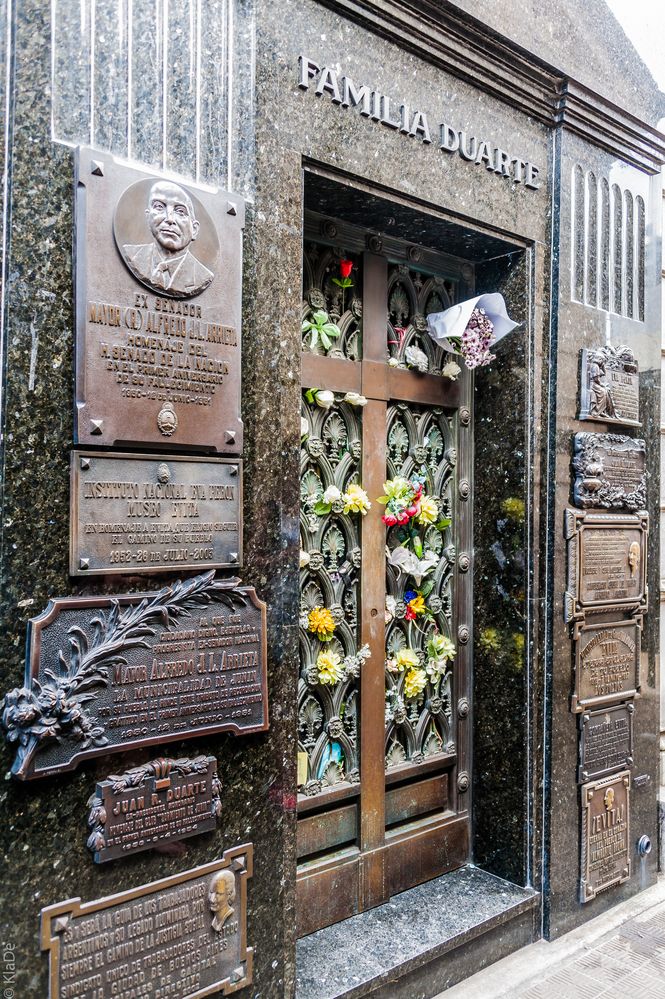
[
  {"x": 183, "y": 937},
  {"x": 133, "y": 513},
  {"x": 158, "y": 309},
  {"x": 109, "y": 674}
]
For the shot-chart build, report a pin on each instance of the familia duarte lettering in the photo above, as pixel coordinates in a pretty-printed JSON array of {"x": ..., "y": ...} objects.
[{"x": 378, "y": 107}]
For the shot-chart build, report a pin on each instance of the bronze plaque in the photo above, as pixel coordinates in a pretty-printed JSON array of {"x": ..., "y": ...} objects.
[
  {"x": 610, "y": 386},
  {"x": 108, "y": 674},
  {"x": 606, "y": 741},
  {"x": 158, "y": 309},
  {"x": 610, "y": 472},
  {"x": 605, "y": 834},
  {"x": 183, "y": 937},
  {"x": 607, "y": 663},
  {"x": 143, "y": 513},
  {"x": 606, "y": 562},
  {"x": 161, "y": 802}
]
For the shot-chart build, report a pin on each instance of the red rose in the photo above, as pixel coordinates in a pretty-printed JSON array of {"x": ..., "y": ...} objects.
[
  {"x": 402, "y": 517},
  {"x": 345, "y": 268},
  {"x": 410, "y": 614},
  {"x": 389, "y": 519},
  {"x": 412, "y": 510}
]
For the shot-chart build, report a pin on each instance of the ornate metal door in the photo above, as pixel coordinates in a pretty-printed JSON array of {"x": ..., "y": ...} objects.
[{"x": 384, "y": 690}]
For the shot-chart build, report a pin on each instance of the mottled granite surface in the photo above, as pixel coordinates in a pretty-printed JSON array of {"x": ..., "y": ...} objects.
[
  {"x": 43, "y": 829},
  {"x": 576, "y": 325},
  {"x": 415, "y": 927}
]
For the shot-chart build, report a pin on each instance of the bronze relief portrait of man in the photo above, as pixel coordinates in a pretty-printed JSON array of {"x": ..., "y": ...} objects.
[{"x": 166, "y": 239}]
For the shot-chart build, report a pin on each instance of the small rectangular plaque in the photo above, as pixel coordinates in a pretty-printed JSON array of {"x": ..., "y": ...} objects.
[
  {"x": 153, "y": 513},
  {"x": 605, "y": 834},
  {"x": 606, "y": 562},
  {"x": 607, "y": 663},
  {"x": 109, "y": 674},
  {"x": 606, "y": 741},
  {"x": 161, "y": 802},
  {"x": 158, "y": 309},
  {"x": 610, "y": 472},
  {"x": 610, "y": 386},
  {"x": 183, "y": 937}
]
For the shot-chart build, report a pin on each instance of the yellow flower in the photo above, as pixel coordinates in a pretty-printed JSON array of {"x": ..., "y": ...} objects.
[
  {"x": 406, "y": 659},
  {"x": 414, "y": 681},
  {"x": 329, "y": 665},
  {"x": 429, "y": 510},
  {"x": 355, "y": 500},
  {"x": 321, "y": 622}
]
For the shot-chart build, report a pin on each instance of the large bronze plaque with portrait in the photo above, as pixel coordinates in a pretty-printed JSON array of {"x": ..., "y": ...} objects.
[
  {"x": 158, "y": 309},
  {"x": 605, "y": 834},
  {"x": 138, "y": 513},
  {"x": 163, "y": 801},
  {"x": 607, "y": 663},
  {"x": 109, "y": 674},
  {"x": 606, "y": 562},
  {"x": 183, "y": 937}
]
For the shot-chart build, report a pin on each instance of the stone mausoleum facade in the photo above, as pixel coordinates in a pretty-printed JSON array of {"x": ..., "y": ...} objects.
[{"x": 330, "y": 661}]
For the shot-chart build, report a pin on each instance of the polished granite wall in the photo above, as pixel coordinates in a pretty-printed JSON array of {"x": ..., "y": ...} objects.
[
  {"x": 584, "y": 325},
  {"x": 43, "y": 830}
]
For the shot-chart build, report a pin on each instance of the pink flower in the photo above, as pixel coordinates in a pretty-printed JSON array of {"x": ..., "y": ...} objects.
[{"x": 389, "y": 519}]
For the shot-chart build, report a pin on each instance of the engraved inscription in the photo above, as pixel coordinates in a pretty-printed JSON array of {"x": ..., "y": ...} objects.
[
  {"x": 158, "y": 309},
  {"x": 165, "y": 800},
  {"x": 606, "y": 741},
  {"x": 606, "y": 561},
  {"x": 152, "y": 513},
  {"x": 607, "y": 663},
  {"x": 605, "y": 834},
  {"x": 609, "y": 389},
  {"x": 610, "y": 471},
  {"x": 178, "y": 938},
  {"x": 610, "y": 568},
  {"x": 107, "y": 674}
]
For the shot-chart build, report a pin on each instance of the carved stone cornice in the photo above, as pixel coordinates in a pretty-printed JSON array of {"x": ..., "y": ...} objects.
[{"x": 449, "y": 38}]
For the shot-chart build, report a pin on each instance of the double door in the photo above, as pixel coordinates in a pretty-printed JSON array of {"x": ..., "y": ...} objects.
[{"x": 384, "y": 755}]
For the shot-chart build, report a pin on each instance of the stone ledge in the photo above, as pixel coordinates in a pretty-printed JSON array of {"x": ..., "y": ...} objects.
[{"x": 414, "y": 928}]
